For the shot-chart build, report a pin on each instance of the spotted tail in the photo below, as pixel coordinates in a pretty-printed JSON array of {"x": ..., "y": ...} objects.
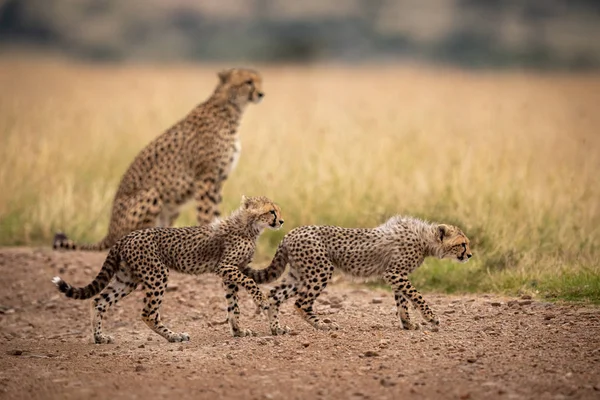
[
  {"x": 61, "y": 241},
  {"x": 109, "y": 268},
  {"x": 273, "y": 271}
]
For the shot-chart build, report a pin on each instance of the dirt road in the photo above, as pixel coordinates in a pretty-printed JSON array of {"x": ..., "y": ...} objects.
[{"x": 487, "y": 347}]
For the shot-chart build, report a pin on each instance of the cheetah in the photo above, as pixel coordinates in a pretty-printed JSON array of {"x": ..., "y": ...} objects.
[
  {"x": 192, "y": 159},
  {"x": 392, "y": 251},
  {"x": 146, "y": 256}
]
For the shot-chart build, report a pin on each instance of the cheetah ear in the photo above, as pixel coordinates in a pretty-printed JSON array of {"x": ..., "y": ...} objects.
[
  {"x": 245, "y": 201},
  {"x": 442, "y": 232},
  {"x": 224, "y": 75}
]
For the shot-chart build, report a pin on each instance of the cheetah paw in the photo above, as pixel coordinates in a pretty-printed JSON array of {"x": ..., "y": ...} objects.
[
  {"x": 103, "y": 339},
  {"x": 327, "y": 326},
  {"x": 280, "y": 331},
  {"x": 244, "y": 333},
  {"x": 179, "y": 337},
  {"x": 410, "y": 326}
]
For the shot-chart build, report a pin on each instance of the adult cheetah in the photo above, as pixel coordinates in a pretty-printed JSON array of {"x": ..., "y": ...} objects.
[
  {"x": 392, "y": 251},
  {"x": 192, "y": 159},
  {"x": 146, "y": 256}
]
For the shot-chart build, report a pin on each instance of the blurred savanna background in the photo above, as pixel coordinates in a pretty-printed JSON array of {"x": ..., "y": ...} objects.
[{"x": 479, "y": 113}]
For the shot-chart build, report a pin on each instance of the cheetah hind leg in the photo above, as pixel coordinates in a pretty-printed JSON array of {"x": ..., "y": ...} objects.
[
  {"x": 153, "y": 320},
  {"x": 120, "y": 286},
  {"x": 304, "y": 304},
  {"x": 153, "y": 301},
  {"x": 142, "y": 211}
]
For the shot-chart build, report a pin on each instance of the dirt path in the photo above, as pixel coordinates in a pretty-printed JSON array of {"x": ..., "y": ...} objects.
[{"x": 487, "y": 347}]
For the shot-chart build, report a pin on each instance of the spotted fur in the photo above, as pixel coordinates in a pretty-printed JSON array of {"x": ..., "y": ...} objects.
[
  {"x": 391, "y": 251},
  {"x": 192, "y": 159},
  {"x": 146, "y": 256}
]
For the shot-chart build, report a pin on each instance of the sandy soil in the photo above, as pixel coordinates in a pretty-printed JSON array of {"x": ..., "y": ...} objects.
[{"x": 487, "y": 346}]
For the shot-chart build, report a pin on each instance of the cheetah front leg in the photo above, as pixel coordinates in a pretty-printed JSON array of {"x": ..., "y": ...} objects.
[
  {"x": 233, "y": 310},
  {"x": 404, "y": 290},
  {"x": 232, "y": 277},
  {"x": 417, "y": 299},
  {"x": 167, "y": 217},
  {"x": 402, "y": 311},
  {"x": 208, "y": 198},
  {"x": 394, "y": 279},
  {"x": 280, "y": 293}
]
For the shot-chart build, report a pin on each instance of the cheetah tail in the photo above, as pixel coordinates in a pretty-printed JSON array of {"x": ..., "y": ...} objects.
[
  {"x": 273, "y": 271},
  {"x": 109, "y": 268},
  {"x": 61, "y": 241}
]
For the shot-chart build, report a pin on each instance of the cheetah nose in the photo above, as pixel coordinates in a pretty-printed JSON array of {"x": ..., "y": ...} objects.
[
  {"x": 281, "y": 222},
  {"x": 260, "y": 95},
  {"x": 469, "y": 255}
]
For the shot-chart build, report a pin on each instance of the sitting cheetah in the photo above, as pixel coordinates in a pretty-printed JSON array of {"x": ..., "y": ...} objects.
[
  {"x": 191, "y": 159},
  {"x": 392, "y": 251},
  {"x": 146, "y": 256}
]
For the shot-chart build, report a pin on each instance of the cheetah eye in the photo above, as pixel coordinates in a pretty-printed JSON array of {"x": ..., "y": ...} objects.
[
  {"x": 464, "y": 245},
  {"x": 249, "y": 82},
  {"x": 273, "y": 212}
]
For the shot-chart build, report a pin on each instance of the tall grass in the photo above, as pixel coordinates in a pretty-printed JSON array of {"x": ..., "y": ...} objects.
[{"x": 513, "y": 158}]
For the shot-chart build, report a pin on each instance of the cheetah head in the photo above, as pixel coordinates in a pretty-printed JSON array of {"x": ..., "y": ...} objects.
[
  {"x": 242, "y": 86},
  {"x": 263, "y": 212},
  {"x": 453, "y": 243}
]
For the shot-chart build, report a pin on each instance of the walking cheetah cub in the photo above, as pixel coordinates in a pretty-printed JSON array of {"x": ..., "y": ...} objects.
[
  {"x": 146, "y": 256},
  {"x": 392, "y": 251},
  {"x": 192, "y": 159}
]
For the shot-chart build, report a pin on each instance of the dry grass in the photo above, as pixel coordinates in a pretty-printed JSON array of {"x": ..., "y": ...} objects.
[{"x": 513, "y": 158}]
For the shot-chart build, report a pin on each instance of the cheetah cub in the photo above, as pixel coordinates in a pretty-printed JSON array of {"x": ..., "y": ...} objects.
[
  {"x": 192, "y": 159},
  {"x": 146, "y": 256},
  {"x": 392, "y": 251}
]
